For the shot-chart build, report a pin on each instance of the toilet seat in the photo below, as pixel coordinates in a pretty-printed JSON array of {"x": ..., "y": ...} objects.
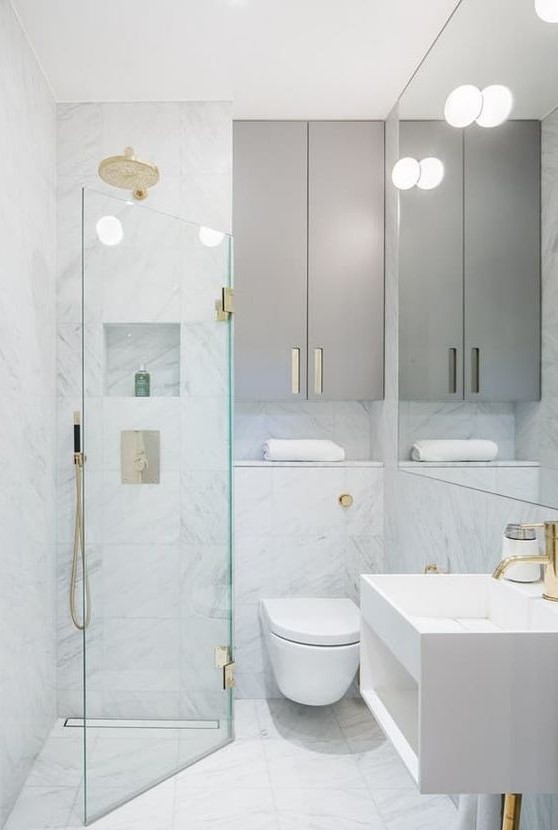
[{"x": 313, "y": 622}]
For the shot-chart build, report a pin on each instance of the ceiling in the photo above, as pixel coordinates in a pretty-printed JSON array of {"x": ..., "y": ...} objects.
[
  {"x": 273, "y": 58},
  {"x": 490, "y": 42}
]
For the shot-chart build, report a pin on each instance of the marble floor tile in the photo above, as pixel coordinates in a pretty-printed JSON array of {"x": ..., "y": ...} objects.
[
  {"x": 282, "y": 718},
  {"x": 42, "y": 808},
  {"x": 327, "y": 809},
  {"x": 60, "y": 764},
  {"x": 201, "y": 808},
  {"x": 246, "y": 722},
  {"x": 241, "y": 765},
  {"x": 408, "y": 810},
  {"x": 317, "y": 764},
  {"x": 277, "y": 775}
]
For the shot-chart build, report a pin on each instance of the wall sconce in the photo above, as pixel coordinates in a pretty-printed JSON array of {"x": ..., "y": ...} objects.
[
  {"x": 425, "y": 174},
  {"x": 489, "y": 107},
  {"x": 547, "y": 10}
]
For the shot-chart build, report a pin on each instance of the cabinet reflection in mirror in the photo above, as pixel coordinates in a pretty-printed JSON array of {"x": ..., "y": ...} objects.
[{"x": 478, "y": 261}]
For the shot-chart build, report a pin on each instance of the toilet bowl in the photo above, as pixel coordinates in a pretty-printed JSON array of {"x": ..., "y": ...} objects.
[{"x": 313, "y": 646}]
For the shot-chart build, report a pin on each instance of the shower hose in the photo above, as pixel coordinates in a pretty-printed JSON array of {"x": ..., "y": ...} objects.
[{"x": 79, "y": 553}]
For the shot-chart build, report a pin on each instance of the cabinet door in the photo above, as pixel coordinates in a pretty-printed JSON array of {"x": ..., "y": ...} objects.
[
  {"x": 431, "y": 269},
  {"x": 346, "y": 260},
  {"x": 270, "y": 259},
  {"x": 502, "y": 262}
]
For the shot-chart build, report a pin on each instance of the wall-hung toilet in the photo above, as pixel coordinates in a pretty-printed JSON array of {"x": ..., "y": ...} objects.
[{"x": 313, "y": 646}]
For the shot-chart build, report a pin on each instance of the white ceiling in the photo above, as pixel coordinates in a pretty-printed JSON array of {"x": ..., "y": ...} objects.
[
  {"x": 273, "y": 58},
  {"x": 490, "y": 42}
]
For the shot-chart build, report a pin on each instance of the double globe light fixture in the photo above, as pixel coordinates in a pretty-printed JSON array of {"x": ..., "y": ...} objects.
[
  {"x": 489, "y": 107},
  {"x": 425, "y": 174},
  {"x": 547, "y": 10}
]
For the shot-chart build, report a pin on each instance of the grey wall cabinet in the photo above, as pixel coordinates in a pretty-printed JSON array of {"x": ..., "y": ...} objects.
[
  {"x": 346, "y": 260},
  {"x": 502, "y": 262},
  {"x": 431, "y": 269},
  {"x": 470, "y": 266},
  {"x": 270, "y": 228},
  {"x": 308, "y": 228}
]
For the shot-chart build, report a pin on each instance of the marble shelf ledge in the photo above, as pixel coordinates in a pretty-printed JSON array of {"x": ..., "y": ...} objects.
[
  {"x": 260, "y": 463},
  {"x": 414, "y": 465}
]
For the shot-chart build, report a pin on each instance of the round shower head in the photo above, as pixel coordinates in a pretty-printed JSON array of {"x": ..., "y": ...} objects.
[{"x": 129, "y": 173}]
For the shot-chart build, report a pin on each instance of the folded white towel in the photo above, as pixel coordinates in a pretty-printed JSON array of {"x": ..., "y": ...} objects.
[
  {"x": 472, "y": 449},
  {"x": 310, "y": 449}
]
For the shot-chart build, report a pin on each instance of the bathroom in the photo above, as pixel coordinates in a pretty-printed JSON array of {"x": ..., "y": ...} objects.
[{"x": 260, "y": 399}]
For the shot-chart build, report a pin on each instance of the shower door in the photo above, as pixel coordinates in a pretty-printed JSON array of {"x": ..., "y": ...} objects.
[{"x": 157, "y": 497}]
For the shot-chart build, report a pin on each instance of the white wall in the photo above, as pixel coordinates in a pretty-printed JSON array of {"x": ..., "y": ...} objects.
[{"x": 27, "y": 377}]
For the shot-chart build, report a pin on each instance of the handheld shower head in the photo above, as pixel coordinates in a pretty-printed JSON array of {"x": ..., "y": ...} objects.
[{"x": 129, "y": 173}]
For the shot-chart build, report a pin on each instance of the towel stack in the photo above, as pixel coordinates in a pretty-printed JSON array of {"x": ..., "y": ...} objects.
[{"x": 310, "y": 449}]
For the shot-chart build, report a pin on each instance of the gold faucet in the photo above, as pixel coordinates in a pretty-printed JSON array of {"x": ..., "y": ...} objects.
[{"x": 549, "y": 559}]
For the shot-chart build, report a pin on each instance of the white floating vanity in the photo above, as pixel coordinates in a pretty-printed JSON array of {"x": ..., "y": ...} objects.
[{"x": 461, "y": 672}]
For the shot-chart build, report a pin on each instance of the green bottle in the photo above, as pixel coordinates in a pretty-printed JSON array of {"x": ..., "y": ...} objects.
[{"x": 142, "y": 382}]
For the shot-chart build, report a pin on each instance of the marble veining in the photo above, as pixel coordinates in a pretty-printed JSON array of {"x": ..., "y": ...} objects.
[{"x": 27, "y": 408}]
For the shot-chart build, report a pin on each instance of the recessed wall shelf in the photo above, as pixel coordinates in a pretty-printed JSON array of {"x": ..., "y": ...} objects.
[{"x": 129, "y": 345}]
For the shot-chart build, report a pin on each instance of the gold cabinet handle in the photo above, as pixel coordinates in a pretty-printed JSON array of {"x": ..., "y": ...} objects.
[
  {"x": 295, "y": 371},
  {"x": 318, "y": 371}
]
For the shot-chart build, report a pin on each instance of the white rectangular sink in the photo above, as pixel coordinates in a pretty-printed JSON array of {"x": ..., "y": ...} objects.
[{"x": 461, "y": 671}]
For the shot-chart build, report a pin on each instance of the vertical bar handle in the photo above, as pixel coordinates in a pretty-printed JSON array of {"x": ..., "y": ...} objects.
[
  {"x": 295, "y": 371},
  {"x": 475, "y": 370},
  {"x": 452, "y": 370},
  {"x": 318, "y": 371}
]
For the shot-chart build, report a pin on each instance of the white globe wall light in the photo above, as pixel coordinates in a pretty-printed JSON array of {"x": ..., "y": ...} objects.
[
  {"x": 431, "y": 173},
  {"x": 109, "y": 230},
  {"x": 405, "y": 173},
  {"x": 496, "y": 107},
  {"x": 547, "y": 10},
  {"x": 463, "y": 106},
  {"x": 426, "y": 174}
]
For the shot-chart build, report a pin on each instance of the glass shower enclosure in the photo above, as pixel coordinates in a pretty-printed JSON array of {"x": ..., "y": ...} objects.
[{"x": 156, "y": 409}]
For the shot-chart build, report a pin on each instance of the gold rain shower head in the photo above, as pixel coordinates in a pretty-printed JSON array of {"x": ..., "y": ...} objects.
[{"x": 129, "y": 173}]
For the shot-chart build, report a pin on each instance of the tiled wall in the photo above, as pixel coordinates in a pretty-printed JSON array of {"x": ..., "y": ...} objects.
[
  {"x": 352, "y": 424},
  {"x": 461, "y": 419},
  {"x": 294, "y": 539},
  {"x": 158, "y": 554},
  {"x": 27, "y": 408}
]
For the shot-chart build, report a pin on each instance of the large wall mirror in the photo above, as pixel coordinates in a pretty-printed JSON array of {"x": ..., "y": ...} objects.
[{"x": 478, "y": 256}]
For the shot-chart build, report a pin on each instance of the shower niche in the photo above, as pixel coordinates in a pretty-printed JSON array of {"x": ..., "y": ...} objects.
[{"x": 128, "y": 346}]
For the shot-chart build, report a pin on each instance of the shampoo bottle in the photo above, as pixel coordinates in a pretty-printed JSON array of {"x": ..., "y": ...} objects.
[{"x": 142, "y": 382}]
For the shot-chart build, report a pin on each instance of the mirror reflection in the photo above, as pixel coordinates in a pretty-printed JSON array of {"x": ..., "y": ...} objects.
[{"x": 478, "y": 253}]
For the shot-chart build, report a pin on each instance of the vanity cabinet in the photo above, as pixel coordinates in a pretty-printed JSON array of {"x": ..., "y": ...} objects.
[
  {"x": 308, "y": 225},
  {"x": 470, "y": 265}
]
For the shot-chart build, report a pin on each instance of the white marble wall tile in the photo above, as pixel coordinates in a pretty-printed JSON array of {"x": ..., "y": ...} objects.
[
  {"x": 27, "y": 407},
  {"x": 345, "y": 422},
  {"x": 294, "y": 539},
  {"x": 420, "y": 420}
]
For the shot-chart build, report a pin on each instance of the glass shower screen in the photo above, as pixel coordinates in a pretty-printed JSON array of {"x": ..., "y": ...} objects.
[{"x": 157, "y": 496}]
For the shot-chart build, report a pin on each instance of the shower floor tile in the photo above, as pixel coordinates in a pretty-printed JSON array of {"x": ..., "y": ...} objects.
[{"x": 290, "y": 768}]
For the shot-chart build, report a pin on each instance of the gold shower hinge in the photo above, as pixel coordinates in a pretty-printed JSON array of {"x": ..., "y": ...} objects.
[
  {"x": 224, "y": 661},
  {"x": 224, "y": 306}
]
